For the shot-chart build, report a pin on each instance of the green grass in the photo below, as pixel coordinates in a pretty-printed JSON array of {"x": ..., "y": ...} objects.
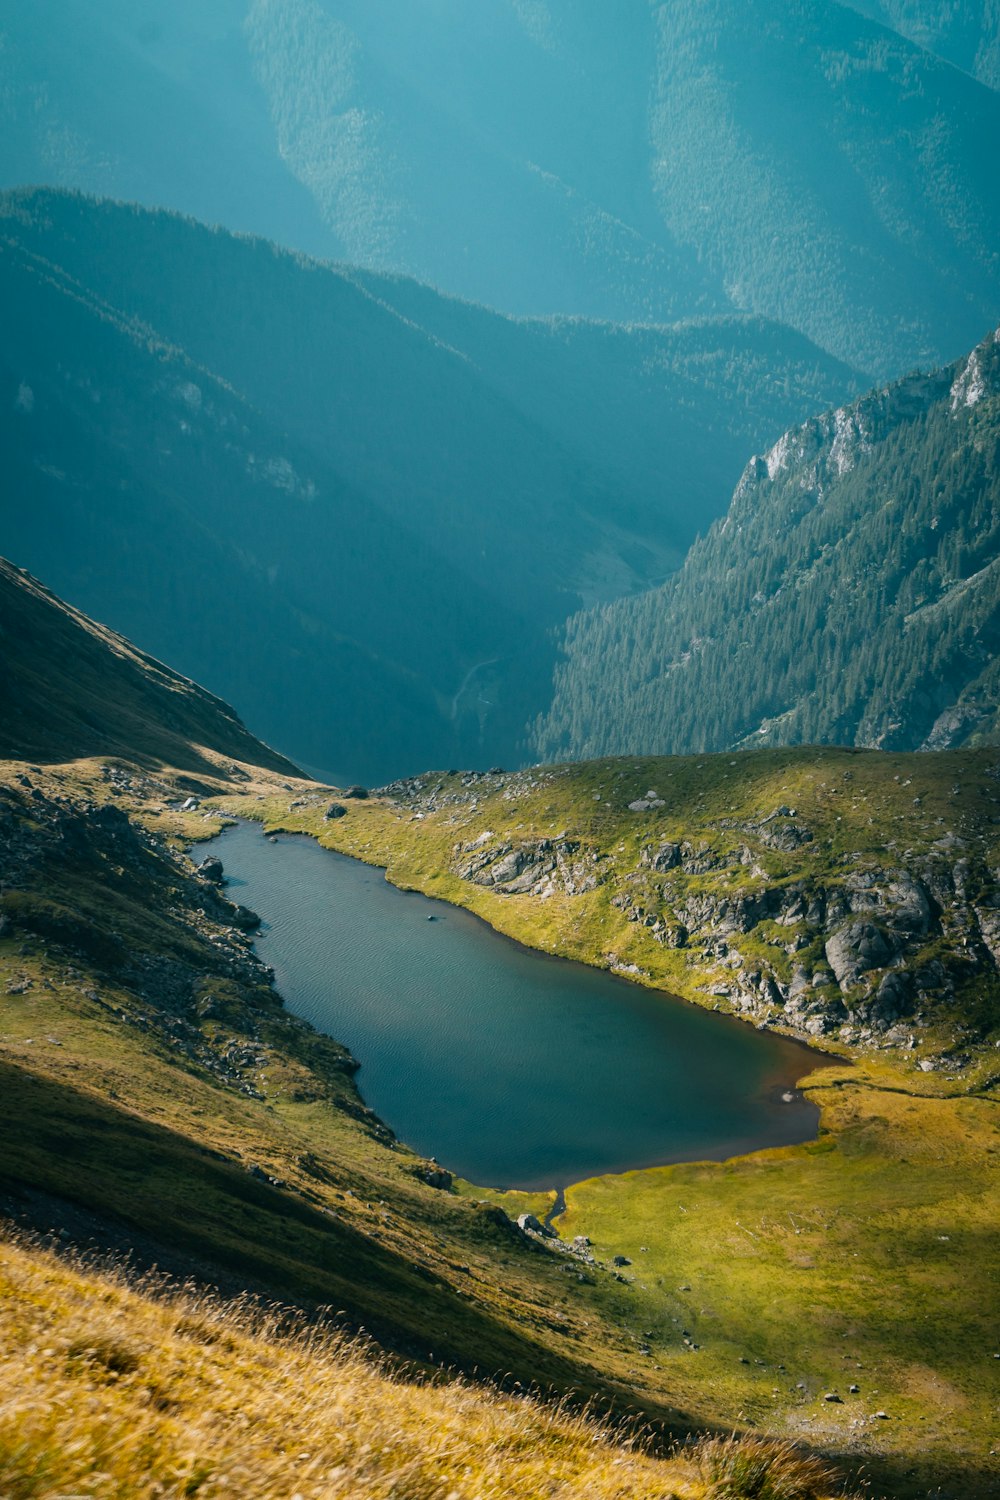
[{"x": 826, "y": 1258}]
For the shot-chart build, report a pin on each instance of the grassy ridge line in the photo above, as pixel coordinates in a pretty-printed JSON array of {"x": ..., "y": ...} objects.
[{"x": 112, "y": 698}]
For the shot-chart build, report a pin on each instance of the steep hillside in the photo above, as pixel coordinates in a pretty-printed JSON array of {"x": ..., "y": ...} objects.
[
  {"x": 850, "y": 596},
  {"x": 397, "y": 506},
  {"x": 71, "y": 688},
  {"x": 784, "y": 158},
  {"x": 145, "y": 1388},
  {"x": 156, "y": 1098},
  {"x": 831, "y": 173}
]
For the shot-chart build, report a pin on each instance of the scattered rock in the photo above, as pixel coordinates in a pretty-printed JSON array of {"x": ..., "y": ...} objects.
[
  {"x": 335, "y": 810},
  {"x": 212, "y": 869}
]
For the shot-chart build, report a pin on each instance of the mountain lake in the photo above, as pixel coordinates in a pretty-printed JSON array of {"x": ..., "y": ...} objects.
[{"x": 511, "y": 1067}]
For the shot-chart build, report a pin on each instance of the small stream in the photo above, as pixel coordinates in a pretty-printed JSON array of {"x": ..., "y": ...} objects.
[{"x": 514, "y": 1069}]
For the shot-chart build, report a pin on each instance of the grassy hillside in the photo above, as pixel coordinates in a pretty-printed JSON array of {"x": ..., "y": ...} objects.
[
  {"x": 71, "y": 688},
  {"x": 850, "y": 595},
  {"x": 191, "y": 415},
  {"x": 146, "y": 1389}
]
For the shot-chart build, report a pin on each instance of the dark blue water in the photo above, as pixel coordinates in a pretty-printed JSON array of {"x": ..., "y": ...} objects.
[{"x": 512, "y": 1068}]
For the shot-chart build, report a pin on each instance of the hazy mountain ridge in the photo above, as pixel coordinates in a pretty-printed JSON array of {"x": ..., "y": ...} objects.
[
  {"x": 850, "y": 596},
  {"x": 877, "y": 240},
  {"x": 208, "y": 417},
  {"x": 798, "y": 161}
]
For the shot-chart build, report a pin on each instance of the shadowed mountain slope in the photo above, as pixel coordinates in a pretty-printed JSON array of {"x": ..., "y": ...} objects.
[{"x": 71, "y": 688}]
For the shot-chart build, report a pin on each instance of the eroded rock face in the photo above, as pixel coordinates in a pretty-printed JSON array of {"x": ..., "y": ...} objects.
[
  {"x": 865, "y": 947},
  {"x": 855, "y": 949},
  {"x": 539, "y": 868}
]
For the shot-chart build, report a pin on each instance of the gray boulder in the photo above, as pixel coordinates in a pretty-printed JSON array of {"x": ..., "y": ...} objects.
[{"x": 855, "y": 949}]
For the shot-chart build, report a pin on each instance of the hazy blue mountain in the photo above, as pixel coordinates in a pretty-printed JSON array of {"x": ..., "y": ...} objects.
[
  {"x": 660, "y": 409},
  {"x": 381, "y": 529},
  {"x": 963, "y": 32},
  {"x": 643, "y": 161},
  {"x": 449, "y": 141},
  {"x": 851, "y": 595},
  {"x": 832, "y": 173}
]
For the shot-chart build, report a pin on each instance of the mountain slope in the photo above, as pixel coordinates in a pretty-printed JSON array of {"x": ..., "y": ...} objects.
[
  {"x": 156, "y": 1098},
  {"x": 71, "y": 688},
  {"x": 436, "y": 142},
  {"x": 158, "y": 1102},
  {"x": 832, "y": 174},
  {"x": 787, "y": 158},
  {"x": 851, "y": 595},
  {"x": 395, "y": 503}
]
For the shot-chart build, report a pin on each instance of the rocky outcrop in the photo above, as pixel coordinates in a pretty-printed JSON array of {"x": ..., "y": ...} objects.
[
  {"x": 542, "y": 867},
  {"x": 855, "y": 949},
  {"x": 839, "y": 956}
]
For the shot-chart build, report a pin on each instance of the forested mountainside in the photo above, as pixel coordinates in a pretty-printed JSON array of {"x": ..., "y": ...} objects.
[
  {"x": 832, "y": 174},
  {"x": 383, "y": 514},
  {"x": 649, "y": 161},
  {"x": 851, "y": 595},
  {"x": 963, "y": 32}
]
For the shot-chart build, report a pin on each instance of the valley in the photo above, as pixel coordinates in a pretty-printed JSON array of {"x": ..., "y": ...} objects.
[
  {"x": 168, "y": 447},
  {"x": 159, "y": 1099},
  {"x": 499, "y": 750}
]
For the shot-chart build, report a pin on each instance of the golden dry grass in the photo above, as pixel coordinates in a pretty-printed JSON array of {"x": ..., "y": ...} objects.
[{"x": 113, "y": 1391}]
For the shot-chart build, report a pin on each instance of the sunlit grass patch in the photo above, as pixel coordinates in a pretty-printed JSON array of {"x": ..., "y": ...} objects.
[{"x": 121, "y": 1392}]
